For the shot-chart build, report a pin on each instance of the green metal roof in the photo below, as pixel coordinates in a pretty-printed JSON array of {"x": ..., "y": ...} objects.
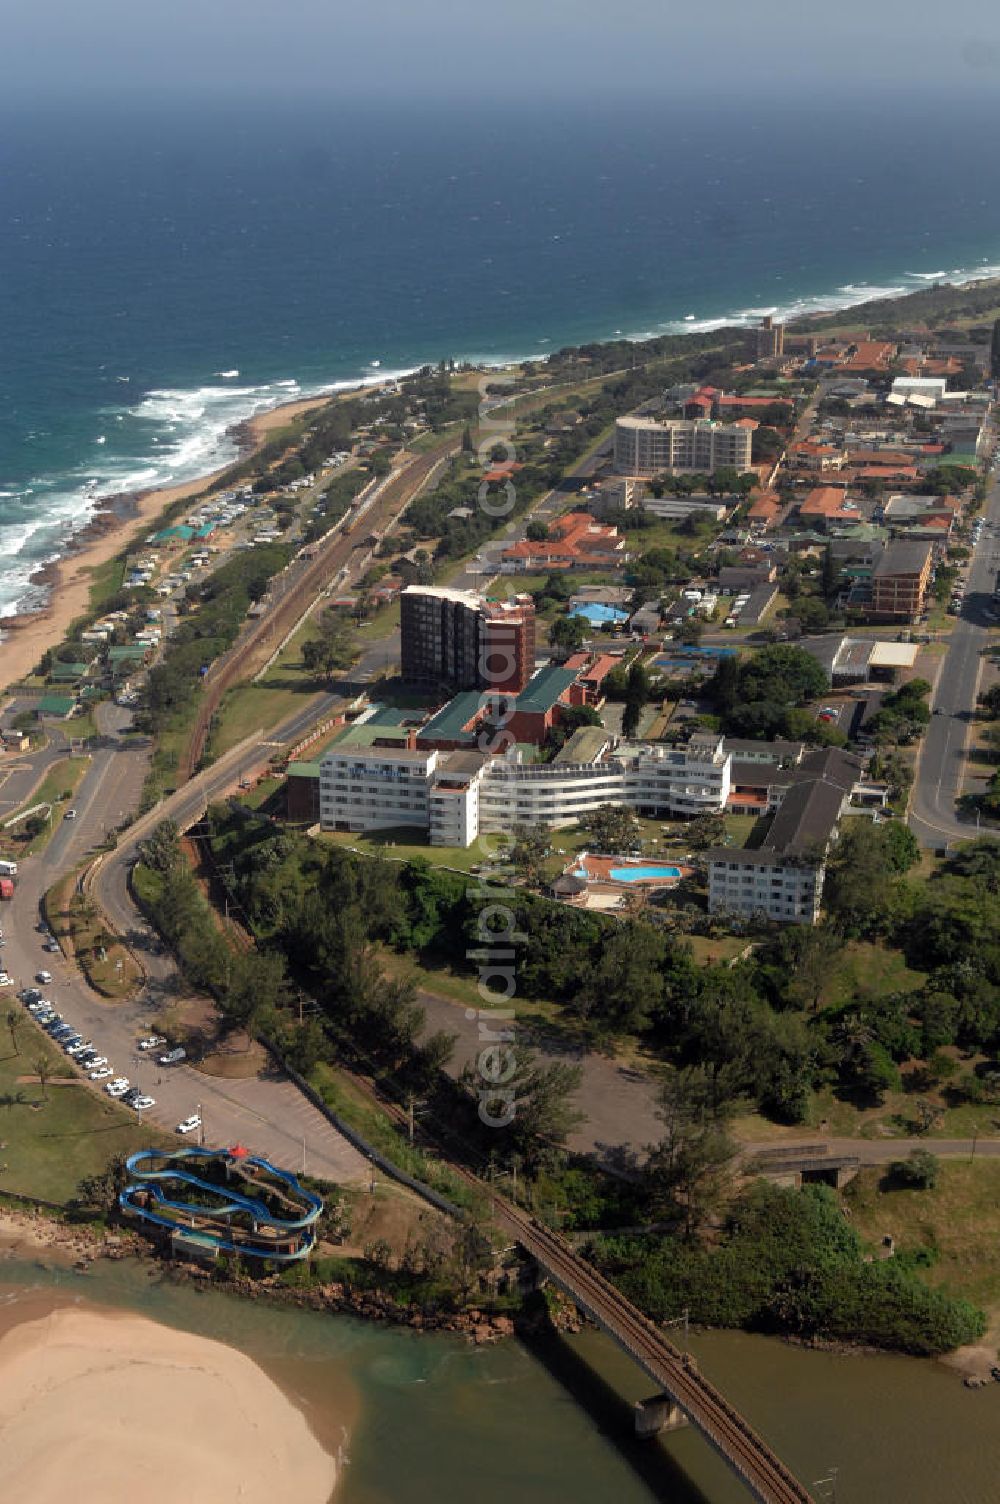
[
  {"x": 389, "y": 715},
  {"x": 68, "y": 670},
  {"x": 542, "y": 692},
  {"x": 366, "y": 735},
  {"x": 127, "y": 651},
  {"x": 303, "y": 770},
  {"x": 450, "y": 721},
  {"x": 55, "y": 705}
]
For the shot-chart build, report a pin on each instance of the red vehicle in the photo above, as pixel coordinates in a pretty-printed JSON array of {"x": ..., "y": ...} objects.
[{"x": 6, "y": 887}]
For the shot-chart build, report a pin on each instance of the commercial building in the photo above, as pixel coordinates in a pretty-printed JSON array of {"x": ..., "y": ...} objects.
[
  {"x": 649, "y": 446},
  {"x": 455, "y": 638},
  {"x": 900, "y": 580}
]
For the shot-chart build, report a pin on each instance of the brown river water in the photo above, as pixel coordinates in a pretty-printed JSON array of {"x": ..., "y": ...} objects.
[{"x": 418, "y": 1418}]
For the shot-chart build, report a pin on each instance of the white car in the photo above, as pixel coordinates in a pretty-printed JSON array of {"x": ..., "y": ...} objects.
[
  {"x": 5, "y": 980},
  {"x": 118, "y": 1087},
  {"x": 43, "y": 976},
  {"x": 190, "y": 1124},
  {"x": 98, "y": 1063},
  {"x": 70, "y": 814},
  {"x": 102, "y": 1074},
  {"x": 173, "y": 1057},
  {"x": 141, "y": 1103},
  {"x": 152, "y": 1043}
]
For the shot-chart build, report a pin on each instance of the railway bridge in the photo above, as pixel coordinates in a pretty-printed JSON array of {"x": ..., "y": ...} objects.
[{"x": 686, "y": 1393}]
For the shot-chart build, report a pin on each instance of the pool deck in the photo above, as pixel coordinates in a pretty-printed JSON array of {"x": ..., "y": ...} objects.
[{"x": 598, "y": 871}]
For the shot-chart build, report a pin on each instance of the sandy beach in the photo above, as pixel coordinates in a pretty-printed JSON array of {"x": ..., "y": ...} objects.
[
  {"x": 69, "y": 580},
  {"x": 100, "y": 1406}
]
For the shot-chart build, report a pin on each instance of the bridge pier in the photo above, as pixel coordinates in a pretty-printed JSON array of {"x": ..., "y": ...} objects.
[{"x": 659, "y": 1413}]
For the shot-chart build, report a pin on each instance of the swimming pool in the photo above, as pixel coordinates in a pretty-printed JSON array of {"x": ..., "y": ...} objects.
[{"x": 641, "y": 874}]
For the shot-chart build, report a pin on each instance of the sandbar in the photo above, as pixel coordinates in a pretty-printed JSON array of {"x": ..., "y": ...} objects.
[{"x": 104, "y": 1406}]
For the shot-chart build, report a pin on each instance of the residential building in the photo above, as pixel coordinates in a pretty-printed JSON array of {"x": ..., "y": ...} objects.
[
  {"x": 769, "y": 339},
  {"x": 455, "y": 638},
  {"x": 452, "y": 797},
  {"x": 900, "y": 580},
  {"x": 782, "y": 880},
  {"x": 810, "y": 454},
  {"x": 829, "y": 506},
  {"x": 575, "y": 541},
  {"x": 651, "y": 446}
]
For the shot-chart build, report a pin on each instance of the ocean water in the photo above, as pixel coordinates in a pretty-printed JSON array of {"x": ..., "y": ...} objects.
[{"x": 165, "y": 274}]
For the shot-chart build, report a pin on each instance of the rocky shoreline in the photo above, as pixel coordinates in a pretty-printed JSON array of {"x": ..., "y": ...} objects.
[{"x": 26, "y": 1234}]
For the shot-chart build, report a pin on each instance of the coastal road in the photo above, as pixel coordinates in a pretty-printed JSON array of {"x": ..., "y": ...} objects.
[
  {"x": 933, "y": 816},
  {"x": 267, "y": 1113}
]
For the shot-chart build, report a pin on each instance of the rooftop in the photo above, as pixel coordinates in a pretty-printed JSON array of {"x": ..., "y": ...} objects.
[
  {"x": 545, "y": 689},
  {"x": 903, "y": 557},
  {"x": 452, "y": 719},
  {"x": 585, "y": 745}
]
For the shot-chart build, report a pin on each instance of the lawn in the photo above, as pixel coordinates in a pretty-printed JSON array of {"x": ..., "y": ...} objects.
[
  {"x": 959, "y": 1218},
  {"x": 48, "y": 1146},
  {"x": 868, "y": 968},
  {"x": 253, "y": 707},
  {"x": 404, "y": 844}
]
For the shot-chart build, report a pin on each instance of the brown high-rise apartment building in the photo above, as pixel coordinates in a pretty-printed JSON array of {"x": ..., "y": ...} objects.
[
  {"x": 770, "y": 338},
  {"x": 900, "y": 580},
  {"x": 454, "y": 638}
]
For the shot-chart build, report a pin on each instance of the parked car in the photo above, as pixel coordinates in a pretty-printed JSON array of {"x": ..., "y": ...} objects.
[
  {"x": 118, "y": 1087},
  {"x": 44, "y": 977},
  {"x": 173, "y": 1057},
  {"x": 141, "y": 1103},
  {"x": 6, "y": 980},
  {"x": 51, "y": 945},
  {"x": 152, "y": 1043},
  {"x": 101, "y": 1073},
  {"x": 189, "y": 1124},
  {"x": 70, "y": 814}
]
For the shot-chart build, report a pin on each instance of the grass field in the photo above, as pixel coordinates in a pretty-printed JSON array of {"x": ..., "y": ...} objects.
[
  {"x": 48, "y": 1146},
  {"x": 959, "y": 1219}
]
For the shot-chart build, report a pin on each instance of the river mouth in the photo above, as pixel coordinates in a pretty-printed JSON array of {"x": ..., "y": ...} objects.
[{"x": 417, "y": 1417}]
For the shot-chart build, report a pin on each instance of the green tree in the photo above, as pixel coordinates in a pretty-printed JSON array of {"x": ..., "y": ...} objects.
[
  {"x": 611, "y": 827},
  {"x": 568, "y": 633},
  {"x": 918, "y": 1172},
  {"x": 43, "y": 1070},
  {"x": 14, "y": 1020},
  {"x": 689, "y": 1170},
  {"x": 100, "y": 1192}
]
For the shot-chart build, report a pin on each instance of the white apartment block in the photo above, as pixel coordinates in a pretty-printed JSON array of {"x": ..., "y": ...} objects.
[
  {"x": 453, "y": 796},
  {"x": 648, "y": 446},
  {"x": 782, "y": 881}
]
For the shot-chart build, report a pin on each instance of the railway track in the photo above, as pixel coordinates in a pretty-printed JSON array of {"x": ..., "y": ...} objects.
[
  {"x": 334, "y": 553},
  {"x": 744, "y": 1451}
]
